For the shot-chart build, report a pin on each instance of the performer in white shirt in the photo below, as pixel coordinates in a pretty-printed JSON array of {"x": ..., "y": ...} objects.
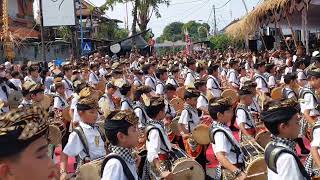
[
  {"x": 281, "y": 119},
  {"x": 67, "y": 71},
  {"x": 233, "y": 75},
  {"x": 162, "y": 76},
  {"x": 225, "y": 146},
  {"x": 190, "y": 75},
  {"x": 213, "y": 82},
  {"x": 122, "y": 132},
  {"x": 299, "y": 67},
  {"x": 149, "y": 78},
  {"x": 157, "y": 149},
  {"x": 262, "y": 82},
  {"x": 270, "y": 75},
  {"x": 174, "y": 76},
  {"x": 93, "y": 76}
]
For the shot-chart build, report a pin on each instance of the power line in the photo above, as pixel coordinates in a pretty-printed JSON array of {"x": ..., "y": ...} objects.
[
  {"x": 210, "y": 14},
  {"x": 224, "y": 5},
  {"x": 189, "y": 2},
  {"x": 197, "y": 9}
]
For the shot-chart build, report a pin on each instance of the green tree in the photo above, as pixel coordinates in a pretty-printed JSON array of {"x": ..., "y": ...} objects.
[
  {"x": 172, "y": 32},
  {"x": 111, "y": 31},
  {"x": 220, "y": 42},
  {"x": 146, "y": 9},
  {"x": 65, "y": 33},
  {"x": 109, "y": 4},
  {"x": 193, "y": 28}
]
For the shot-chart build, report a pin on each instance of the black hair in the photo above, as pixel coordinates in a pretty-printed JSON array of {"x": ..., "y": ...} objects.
[
  {"x": 125, "y": 90},
  {"x": 289, "y": 77},
  {"x": 169, "y": 87},
  {"x": 146, "y": 68},
  {"x": 153, "y": 111},
  {"x": 214, "y": 110},
  {"x": 269, "y": 68},
  {"x": 15, "y": 74},
  {"x": 160, "y": 72},
  {"x": 297, "y": 64},
  {"x": 199, "y": 69},
  {"x": 212, "y": 68}
]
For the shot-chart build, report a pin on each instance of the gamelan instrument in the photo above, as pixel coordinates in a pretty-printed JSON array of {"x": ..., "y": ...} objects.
[
  {"x": 263, "y": 136},
  {"x": 255, "y": 166},
  {"x": 46, "y": 102},
  {"x": 66, "y": 114},
  {"x": 276, "y": 93},
  {"x": 14, "y": 99},
  {"x": 90, "y": 170},
  {"x": 232, "y": 94},
  {"x": 180, "y": 92},
  {"x": 178, "y": 104},
  {"x": 184, "y": 167}
]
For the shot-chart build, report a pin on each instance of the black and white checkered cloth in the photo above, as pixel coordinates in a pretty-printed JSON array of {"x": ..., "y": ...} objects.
[{"x": 125, "y": 153}]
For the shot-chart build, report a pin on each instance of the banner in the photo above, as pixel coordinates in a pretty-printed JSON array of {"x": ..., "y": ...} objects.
[{"x": 58, "y": 12}]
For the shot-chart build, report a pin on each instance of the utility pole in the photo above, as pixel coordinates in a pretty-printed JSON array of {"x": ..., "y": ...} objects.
[
  {"x": 43, "y": 47},
  {"x": 81, "y": 28},
  {"x": 245, "y": 6},
  {"x": 215, "y": 20}
]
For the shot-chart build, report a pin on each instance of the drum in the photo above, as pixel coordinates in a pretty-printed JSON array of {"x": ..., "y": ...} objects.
[
  {"x": 178, "y": 104},
  {"x": 90, "y": 170},
  {"x": 101, "y": 86},
  {"x": 174, "y": 126},
  {"x": 201, "y": 134},
  {"x": 183, "y": 167},
  {"x": 66, "y": 114},
  {"x": 55, "y": 134},
  {"x": 46, "y": 102},
  {"x": 14, "y": 99},
  {"x": 232, "y": 94},
  {"x": 180, "y": 92},
  {"x": 263, "y": 137},
  {"x": 276, "y": 93},
  {"x": 255, "y": 166}
]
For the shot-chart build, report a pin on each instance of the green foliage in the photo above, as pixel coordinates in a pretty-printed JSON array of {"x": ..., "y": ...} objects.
[
  {"x": 175, "y": 31},
  {"x": 221, "y": 41},
  {"x": 111, "y": 31},
  {"x": 65, "y": 33}
]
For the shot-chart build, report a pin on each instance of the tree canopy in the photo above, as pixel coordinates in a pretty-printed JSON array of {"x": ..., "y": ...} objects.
[{"x": 175, "y": 31}]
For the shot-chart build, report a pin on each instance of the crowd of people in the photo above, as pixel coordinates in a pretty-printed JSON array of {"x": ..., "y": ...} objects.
[{"x": 134, "y": 117}]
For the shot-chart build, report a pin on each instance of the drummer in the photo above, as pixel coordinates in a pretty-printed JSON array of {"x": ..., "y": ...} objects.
[
  {"x": 158, "y": 145},
  {"x": 139, "y": 105},
  {"x": 191, "y": 74},
  {"x": 244, "y": 117},
  {"x": 262, "y": 82},
  {"x": 121, "y": 130},
  {"x": 67, "y": 71},
  {"x": 225, "y": 146},
  {"x": 299, "y": 67},
  {"x": 281, "y": 119},
  {"x": 189, "y": 119},
  {"x": 213, "y": 81},
  {"x": 24, "y": 139},
  {"x": 173, "y": 78},
  {"x": 233, "y": 75},
  {"x": 150, "y": 80},
  {"x": 36, "y": 92},
  {"x": 287, "y": 91},
  {"x": 126, "y": 102},
  {"x": 162, "y": 76},
  {"x": 202, "y": 101}
]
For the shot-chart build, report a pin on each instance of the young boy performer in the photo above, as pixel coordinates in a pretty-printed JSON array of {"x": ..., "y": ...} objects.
[
  {"x": 287, "y": 91},
  {"x": 121, "y": 128},
  {"x": 189, "y": 119},
  {"x": 158, "y": 144},
  {"x": 225, "y": 146},
  {"x": 87, "y": 141},
  {"x": 309, "y": 101},
  {"x": 244, "y": 119},
  {"x": 282, "y": 120},
  {"x": 24, "y": 145}
]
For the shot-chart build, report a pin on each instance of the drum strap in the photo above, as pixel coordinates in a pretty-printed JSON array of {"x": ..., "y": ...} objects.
[
  {"x": 316, "y": 126},
  {"x": 273, "y": 152},
  {"x": 84, "y": 141},
  {"x": 236, "y": 149},
  {"x": 143, "y": 114},
  {"x": 263, "y": 79},
  {"x": 161, "y": 138},
  {"x": 154, "y": 83},
  {"x": 247, "y": 117},
  {"x": 215, "y": 83},
  {"x": 285, "y": 93},
  {"x": 127, "y": 103},
  {"x": 303, "y": 92},
  {"x": 125, "y": 167}
]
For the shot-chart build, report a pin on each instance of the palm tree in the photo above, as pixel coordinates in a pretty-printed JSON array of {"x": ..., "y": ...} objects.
[{"x": 146, "y": 9}]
